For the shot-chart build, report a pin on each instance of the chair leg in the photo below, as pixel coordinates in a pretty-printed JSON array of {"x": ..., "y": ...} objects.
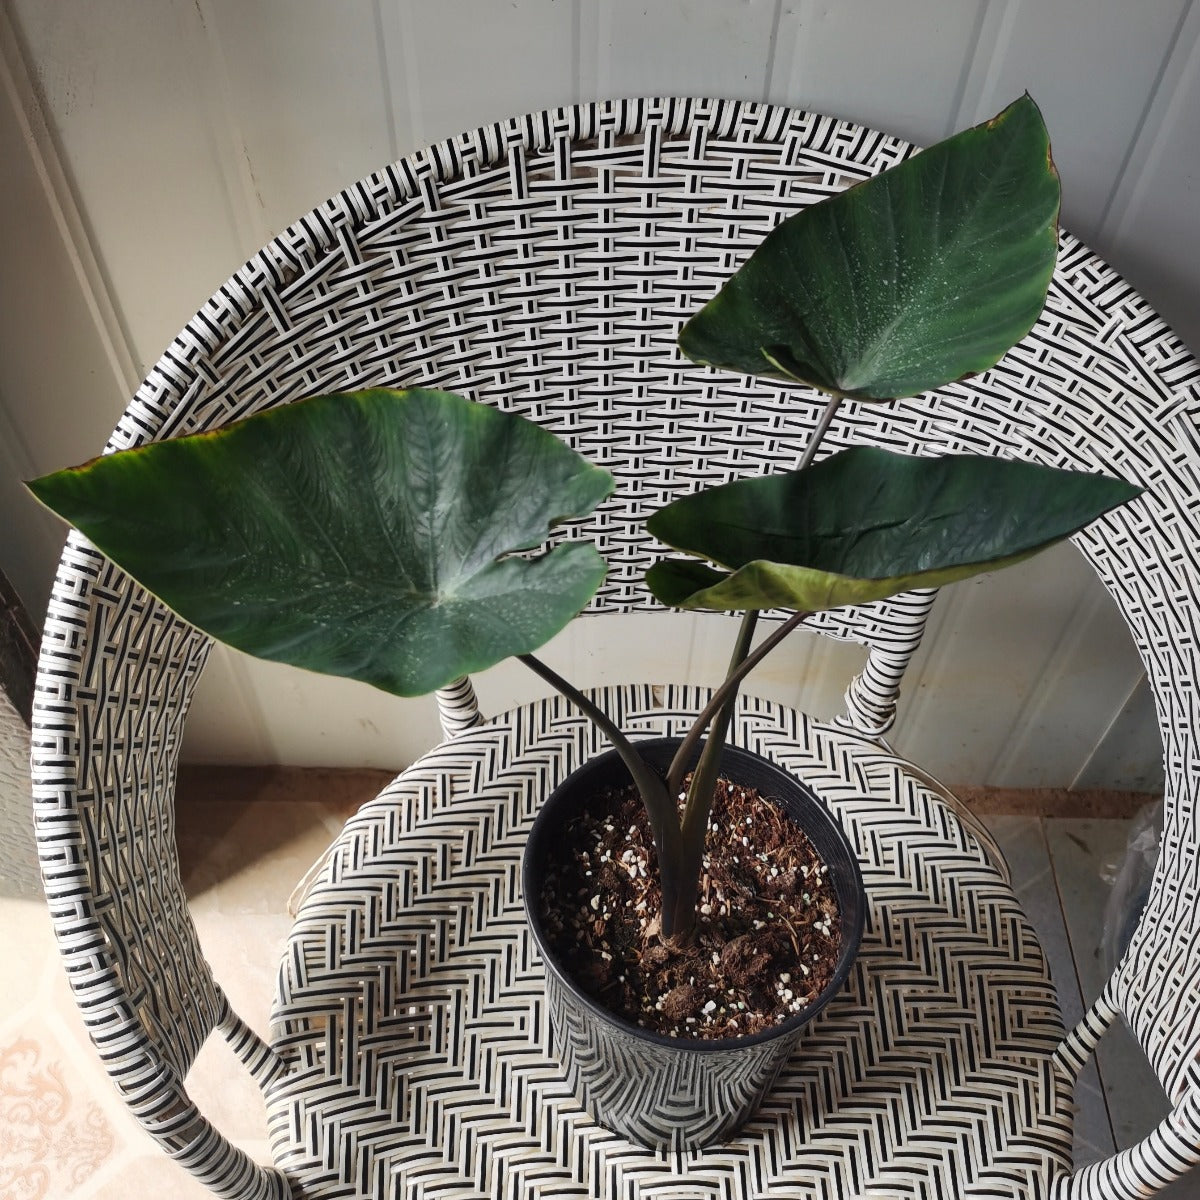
[{"x": 458, "y": 707}]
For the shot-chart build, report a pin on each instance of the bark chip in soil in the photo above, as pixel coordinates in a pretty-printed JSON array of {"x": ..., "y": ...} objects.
[{"x": 767, "y": 937}]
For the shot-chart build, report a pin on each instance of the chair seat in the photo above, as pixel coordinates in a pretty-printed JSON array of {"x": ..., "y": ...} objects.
[{"x": 411, "y": 1014}]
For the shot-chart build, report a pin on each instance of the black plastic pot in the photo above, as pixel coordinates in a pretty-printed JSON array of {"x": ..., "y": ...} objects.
[{"x": 665, "y": 1092}]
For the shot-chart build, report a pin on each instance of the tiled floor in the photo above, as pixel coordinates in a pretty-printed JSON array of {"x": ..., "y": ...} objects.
[
  {"x": 1057, "y": 868},
  {"x": 63, "y": 1132}
]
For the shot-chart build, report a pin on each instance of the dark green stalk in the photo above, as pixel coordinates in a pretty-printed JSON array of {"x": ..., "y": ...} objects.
[
  {"x": 679, "y": 906},
  {"x": 677, "y": 771},
  {"x": 660, "y": 803},
  {"x": 732, "y": 681},
  {"x": 679, "y": 902},
  {"x": 680, "y": 844},
  {"x": 706, "y": 768}
]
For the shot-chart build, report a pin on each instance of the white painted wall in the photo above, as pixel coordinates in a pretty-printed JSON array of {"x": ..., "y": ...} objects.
[{"x": 150, "y": 146}]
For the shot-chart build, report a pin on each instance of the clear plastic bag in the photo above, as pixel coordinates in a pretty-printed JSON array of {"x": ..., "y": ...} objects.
[{"x": 1130, "y": 878}]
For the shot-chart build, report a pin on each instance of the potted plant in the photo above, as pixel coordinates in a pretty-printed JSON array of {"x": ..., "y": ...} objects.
[{"x": 390, "y": 537}]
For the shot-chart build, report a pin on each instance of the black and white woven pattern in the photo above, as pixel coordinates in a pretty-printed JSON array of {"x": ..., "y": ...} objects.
[
  {"x": 545, "y": 265},
  {"x": 413, "y": 1006}
]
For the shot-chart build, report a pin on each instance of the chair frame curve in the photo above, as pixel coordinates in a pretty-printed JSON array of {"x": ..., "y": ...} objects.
[{"x": 117, "y": 671}]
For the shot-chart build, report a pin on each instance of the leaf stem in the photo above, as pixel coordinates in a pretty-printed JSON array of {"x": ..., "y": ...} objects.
[
  {"x": 820, "y": 429},
  {"x": 656, "y": 796},
  {"x": 678, "y": 764},
  {"x": 679, "y": 905},
  {"x": 738, "y": 672}
]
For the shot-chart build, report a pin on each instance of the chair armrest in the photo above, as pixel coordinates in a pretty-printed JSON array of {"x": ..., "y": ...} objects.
[
  {"x": 1165, "y": 1154},
  {"x": 1168, "y": 1152}
]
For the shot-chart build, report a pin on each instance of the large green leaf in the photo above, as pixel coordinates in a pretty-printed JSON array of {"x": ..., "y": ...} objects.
[
  {"x": 366, "y": 534},
  {"x": 922, "y": 275},
  {"x": 864, "y": 524}
]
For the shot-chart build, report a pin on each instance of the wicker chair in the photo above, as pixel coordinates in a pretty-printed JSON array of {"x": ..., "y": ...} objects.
[{"x": 544, "y": 265}]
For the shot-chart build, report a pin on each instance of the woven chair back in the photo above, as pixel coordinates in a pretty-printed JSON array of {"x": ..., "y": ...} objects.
[{"x": 544, "y": 265}]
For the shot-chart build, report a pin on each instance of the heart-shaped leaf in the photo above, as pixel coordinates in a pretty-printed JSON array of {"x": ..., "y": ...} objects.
[
  {"x": 922, "y": 275},
  {"x": 366, "y": 534},
  {"x": 865, "y": 524}
]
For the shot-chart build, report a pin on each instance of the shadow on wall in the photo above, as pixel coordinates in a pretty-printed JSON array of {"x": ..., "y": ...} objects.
[{"x": 18, "y": 657}]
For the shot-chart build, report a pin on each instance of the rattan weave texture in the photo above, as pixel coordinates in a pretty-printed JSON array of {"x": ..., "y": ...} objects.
[
  {"x": 544, "y": 264},
  {"x": 412, "y": 1001}
]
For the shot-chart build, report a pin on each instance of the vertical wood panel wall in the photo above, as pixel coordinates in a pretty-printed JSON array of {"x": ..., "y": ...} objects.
[{"x": 150, "y": 146}]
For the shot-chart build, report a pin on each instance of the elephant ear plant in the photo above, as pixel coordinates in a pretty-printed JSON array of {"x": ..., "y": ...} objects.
[{"x": 391, "y": 536}]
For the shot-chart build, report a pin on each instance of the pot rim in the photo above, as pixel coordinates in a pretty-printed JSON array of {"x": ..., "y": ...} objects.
[{"x": 851, "y": 937}]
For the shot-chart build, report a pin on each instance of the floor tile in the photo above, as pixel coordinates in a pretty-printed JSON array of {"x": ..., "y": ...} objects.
[
  {"x": 240, "y": 858},
  {"x": 148, "y": 1173},
  {"x": 1060, "y": 881},
  {"x": 1023, "y": 843},
  {"x": 30, "y": 953},
  {"x": 1081, "y": 850},
  {"x": 54, "y": 1135},
  {"x": 244, "y": 844}
]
